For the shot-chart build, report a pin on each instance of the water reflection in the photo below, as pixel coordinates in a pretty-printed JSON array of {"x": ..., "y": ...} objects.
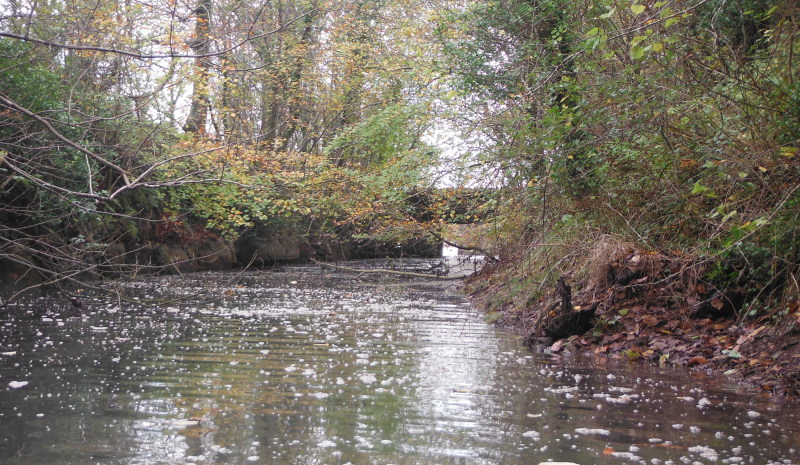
[{"x": 305, "y": 367}]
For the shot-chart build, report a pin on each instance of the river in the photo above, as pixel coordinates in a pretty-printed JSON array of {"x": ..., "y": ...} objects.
[{"x": 301, "y": 365}]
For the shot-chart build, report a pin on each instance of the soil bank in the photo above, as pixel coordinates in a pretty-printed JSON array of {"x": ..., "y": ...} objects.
[{"x": 650, "y": 308}]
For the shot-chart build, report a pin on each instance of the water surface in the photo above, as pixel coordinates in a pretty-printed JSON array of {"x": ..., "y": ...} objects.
[{"x": 305, "y": 366}]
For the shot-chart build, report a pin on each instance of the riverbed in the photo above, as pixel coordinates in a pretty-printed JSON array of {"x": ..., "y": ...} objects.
[{"x": 303, "y": 365}]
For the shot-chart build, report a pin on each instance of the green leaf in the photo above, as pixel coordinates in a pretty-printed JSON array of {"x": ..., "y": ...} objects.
[
  {"x": 699, "y": 188},
  {"x": 593, "y": 32},
  {"x": 732, "y": 353},
  {"x": 637, "y": 9},
  {"x": 637, "y": 52},
  {"x": 623, "y": 311},
  {"x": 631, "y": 354},
  {"x": 729, "y": 216},
  {"x": 671, "y": 21},
  {"x": 609, "y": 14}
]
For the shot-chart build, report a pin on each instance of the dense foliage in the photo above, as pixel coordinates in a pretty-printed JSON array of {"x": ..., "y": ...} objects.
[
  {"x": 672, "y": 126},
  {"x": 669, "y": 125}
]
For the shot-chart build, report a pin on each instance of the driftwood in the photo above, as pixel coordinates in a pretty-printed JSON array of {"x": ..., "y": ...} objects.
[{"x": 386, "y": 271}]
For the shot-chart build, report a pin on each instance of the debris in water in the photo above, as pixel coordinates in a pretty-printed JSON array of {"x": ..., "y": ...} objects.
[
  {"x": 531, "y": 434},
  {"x": 602, "y": 432}
]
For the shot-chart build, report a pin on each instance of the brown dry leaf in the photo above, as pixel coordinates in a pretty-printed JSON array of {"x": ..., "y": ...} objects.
[
  {"x": 557, "y": 346},
  {"x": 659, "y": 345},
  {"x": 745, "y": 338},
  {"x": 717, "y": 303},
  {"x": 697, "y": 360},
  {"x": 650, "y": 320}
]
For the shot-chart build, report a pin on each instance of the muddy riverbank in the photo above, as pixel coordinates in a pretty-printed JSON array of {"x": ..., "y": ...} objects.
[{"x": 648, "y": 308}]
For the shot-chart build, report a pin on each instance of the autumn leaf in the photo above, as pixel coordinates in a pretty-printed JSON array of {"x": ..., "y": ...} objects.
[
  {"x": 650, "y": 320},
  {"x": 697, "y": 360}
]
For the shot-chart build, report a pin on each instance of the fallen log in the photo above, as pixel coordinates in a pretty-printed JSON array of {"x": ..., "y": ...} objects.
[{"x": 411, "y": 274}]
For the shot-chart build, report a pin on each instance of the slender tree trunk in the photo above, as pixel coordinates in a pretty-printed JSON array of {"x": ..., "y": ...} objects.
[{"x": 198, "y": 113}]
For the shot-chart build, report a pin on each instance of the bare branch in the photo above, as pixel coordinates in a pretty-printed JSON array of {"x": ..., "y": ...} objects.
[
  {"x": 8, "y": 103},
  {"x": 145, "y": 56}
]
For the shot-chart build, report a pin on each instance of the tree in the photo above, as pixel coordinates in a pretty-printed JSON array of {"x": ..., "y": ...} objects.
[
  {"x": 115, "y": 115},
  {"x": 670, "y": 126}
]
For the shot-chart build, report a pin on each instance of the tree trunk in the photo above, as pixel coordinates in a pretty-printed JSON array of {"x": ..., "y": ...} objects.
[{"x": 198, "y": 113}]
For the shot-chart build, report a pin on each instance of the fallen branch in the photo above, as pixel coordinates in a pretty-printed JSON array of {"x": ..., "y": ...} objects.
[
  {"x": 386, "y": 271},
  {"x": 487, "y": 255}
]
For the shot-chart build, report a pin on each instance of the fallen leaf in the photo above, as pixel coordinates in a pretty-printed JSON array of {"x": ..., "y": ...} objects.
[
  {"x": 751, "y": 335},
  {"x": 650, "y": 320},
  {"x": 732, "y": 353},
  {"x": 557, "y": 346},
  {"x": 697, "y": 360},
  {"x": 632, "y": 354}
]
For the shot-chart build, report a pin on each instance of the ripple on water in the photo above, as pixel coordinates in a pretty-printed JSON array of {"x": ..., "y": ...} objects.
[{"x": 301, "y": 366}]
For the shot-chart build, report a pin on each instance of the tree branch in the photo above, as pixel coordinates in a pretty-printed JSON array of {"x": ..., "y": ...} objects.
[
  {"x": 385, "y": 271},
  {"x": 144, "y": 56},
  {"x": 10, "y": 104}
]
